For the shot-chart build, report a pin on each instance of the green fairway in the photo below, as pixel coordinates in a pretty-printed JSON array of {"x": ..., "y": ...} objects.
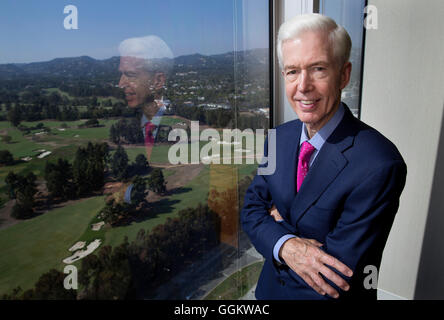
[
  {"x": 31, "y": 248},
  {"x": 196, "y": 192},
  {"x": 20, "y": 146}
]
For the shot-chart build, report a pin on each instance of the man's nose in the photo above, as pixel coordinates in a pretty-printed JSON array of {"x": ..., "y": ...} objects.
[
  {"x": 123, "y": 82},
  {"x": 304, "y": 84}
]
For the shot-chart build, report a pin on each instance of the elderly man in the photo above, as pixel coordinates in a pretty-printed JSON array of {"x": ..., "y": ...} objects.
[
  {"x": 145, "y": 63},
  {"x": 326, "y": 212}
]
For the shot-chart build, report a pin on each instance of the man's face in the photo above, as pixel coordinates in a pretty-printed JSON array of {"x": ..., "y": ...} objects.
[
  {"x": 137, "y": 83},
  {"x": 313, "y": 78}
]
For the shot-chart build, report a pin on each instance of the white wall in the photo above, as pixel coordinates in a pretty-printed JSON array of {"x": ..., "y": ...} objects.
[{"x": 403, "y": 98}]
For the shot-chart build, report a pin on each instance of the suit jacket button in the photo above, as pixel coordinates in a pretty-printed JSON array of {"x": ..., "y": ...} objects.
[{"x": 282, "y": 282}]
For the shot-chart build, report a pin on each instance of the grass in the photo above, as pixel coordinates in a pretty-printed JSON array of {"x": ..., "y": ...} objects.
[
  {"x": 238, "y": 284},
  {"x": 169, "y": 121},
  {"x": 197, "y": 191},
  {"x": 60, "y": 92},
  {"x": 31, "y": 248}
]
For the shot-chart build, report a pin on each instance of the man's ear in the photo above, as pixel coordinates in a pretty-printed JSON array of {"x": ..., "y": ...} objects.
[
  {"x": 159, "y": 80},
  {"x": 345, "y": 74}
]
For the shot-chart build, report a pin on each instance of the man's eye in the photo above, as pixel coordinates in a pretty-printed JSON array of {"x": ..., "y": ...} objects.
[
  {"x": 291, "y": 72},
  {"x": 319, "y": 69}
]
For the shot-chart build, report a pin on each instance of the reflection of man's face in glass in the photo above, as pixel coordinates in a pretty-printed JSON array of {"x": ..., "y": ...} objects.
[{"x": 138, "y": 83}]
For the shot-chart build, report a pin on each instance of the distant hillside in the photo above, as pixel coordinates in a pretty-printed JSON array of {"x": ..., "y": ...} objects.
[{"x": 87, "y": 67}]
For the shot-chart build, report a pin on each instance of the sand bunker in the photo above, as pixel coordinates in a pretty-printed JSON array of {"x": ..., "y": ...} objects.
[
  {"x": 77, "y": 246},
  {"x": 83, "y": 253},
  {"x": 44, "y": 154},
  {"x": 97, "y": 226}
]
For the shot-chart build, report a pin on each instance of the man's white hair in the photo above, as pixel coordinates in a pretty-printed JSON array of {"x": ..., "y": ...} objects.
[
  {"x": 339, "y": 38},
  {"x": 156, "y": 53}
]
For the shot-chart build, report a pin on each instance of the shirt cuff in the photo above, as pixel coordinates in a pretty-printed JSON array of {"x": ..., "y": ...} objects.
[{"x": 278, "y": 245}]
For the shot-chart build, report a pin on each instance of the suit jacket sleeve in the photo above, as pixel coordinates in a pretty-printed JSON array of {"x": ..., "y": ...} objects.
[
  {"x": 359, "y": 236},
  {"x": 261, "y": 228}
]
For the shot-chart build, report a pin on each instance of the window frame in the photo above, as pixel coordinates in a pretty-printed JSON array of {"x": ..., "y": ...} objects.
[{"x": 280, "y": 11}]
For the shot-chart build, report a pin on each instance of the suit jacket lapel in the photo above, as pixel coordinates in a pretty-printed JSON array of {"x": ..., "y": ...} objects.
[
  {"x": 328, "y": 164},
  {"x": 290, "y": 167}
]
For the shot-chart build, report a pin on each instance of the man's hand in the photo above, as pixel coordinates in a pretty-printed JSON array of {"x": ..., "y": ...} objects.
[
  {"x": 305, "y": 258},
  {"x": 275, "y": 214}
]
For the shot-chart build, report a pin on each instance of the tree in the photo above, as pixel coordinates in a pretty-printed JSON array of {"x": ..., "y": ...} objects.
[
  {"x": 119, "y": 163},
  {"x": 50, "y": 287},
  {"x": 92, "y": 123},
  {"x": 80, "y": 164},
  {"x": 14, "y": 116},
  {"x": 156, "y": 181},
  {"x": 12, "y": 184},
  {"x": 58, "y": 178},
  {"x": 6, "y": 157},
  {"x": 140, "y": 164},
  {"x": 107, "y": 275},
  {"x": 115, "y": 212},
  {"x": 89, "y": 167},
  {"x": 138, "y": 191},
  {"x": 25, "y": 190},
  {"x": 7, "y": 139}
]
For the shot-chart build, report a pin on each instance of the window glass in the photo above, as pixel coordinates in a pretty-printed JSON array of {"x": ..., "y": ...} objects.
[
  {"x": 350, "y": 14},
  {"x": 113, "y": 117}
]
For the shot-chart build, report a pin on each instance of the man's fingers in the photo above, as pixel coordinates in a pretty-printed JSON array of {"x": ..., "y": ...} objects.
[
  {"x": 324, "y": 286},
  {"x": 338, "y": 265},
  {"x": 335, "y": 278},
  {"x": 312, "y": 284}
]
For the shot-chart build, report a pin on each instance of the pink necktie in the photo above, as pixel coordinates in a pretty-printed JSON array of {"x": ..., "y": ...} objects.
[
  {"x": 304, "y": 159},
  {"x": 149, "y": 137}
]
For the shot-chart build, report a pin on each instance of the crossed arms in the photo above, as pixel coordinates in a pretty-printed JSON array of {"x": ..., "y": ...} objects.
[{"x": 361, "y": 229}]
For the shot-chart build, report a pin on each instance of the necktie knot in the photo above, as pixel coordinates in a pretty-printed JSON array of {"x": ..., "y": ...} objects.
[
  {"x": 304, "y": 159},
  {"x": 306, "y": 151}
]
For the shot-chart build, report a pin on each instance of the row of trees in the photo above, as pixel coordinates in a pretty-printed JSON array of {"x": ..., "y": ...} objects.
[
  {"x": 219, "y": 118},
  {"x": 85, "y": 175},
  {"x": 126, "y": 131},
  {"x": 31, "y": 112},
  {"x": 137, "y": 269},
  {"x": 21, "y": 112},
  {"x": 122, "y": 169}
]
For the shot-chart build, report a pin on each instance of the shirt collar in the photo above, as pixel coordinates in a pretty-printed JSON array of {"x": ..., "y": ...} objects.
[
  {"x": 322, "y": 135},
  {"x": 156, "y": 119}
]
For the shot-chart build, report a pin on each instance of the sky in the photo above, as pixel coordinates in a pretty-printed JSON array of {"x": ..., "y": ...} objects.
[{"x": 34, "y": 30}]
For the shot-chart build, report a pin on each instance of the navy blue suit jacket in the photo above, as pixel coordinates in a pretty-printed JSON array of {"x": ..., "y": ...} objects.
[{"x": 347, "y": 201}]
